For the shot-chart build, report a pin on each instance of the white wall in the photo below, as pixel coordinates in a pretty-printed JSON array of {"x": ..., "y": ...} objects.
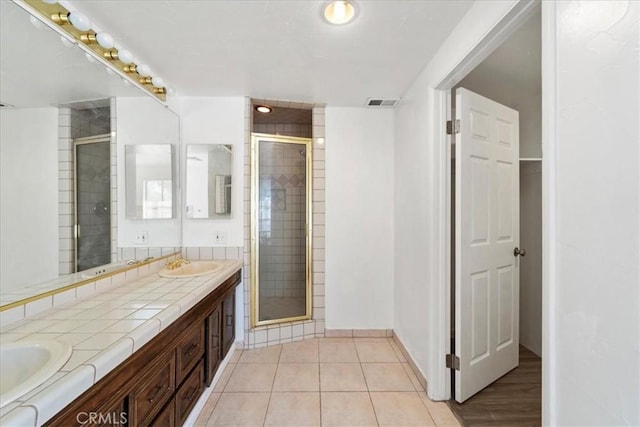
[
  {"x": 359, "y": 218},
  {"x": 531, "y": 265},
  {"x": 216, "y": 121},
  {"x": 144, "y": 121},
  {"x": 420, "y": 220},
  {"x": 28, "y": 197},
  {"x": 594, "y": 209}
]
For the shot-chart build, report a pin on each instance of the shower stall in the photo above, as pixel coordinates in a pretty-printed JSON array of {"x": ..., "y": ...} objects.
[
  {"x": 92, "y": 159},
  {"x": 281, "y": 229}
]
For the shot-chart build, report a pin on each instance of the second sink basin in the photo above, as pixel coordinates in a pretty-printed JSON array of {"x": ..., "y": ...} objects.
[
  {"x": 194, "y": 269},
  {"x": 24, "y": 365}
]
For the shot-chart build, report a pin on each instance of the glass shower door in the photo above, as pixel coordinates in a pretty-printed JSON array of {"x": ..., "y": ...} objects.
[
  {"x": 281, "y": 250},
  {"x": 93, "y": 201}
]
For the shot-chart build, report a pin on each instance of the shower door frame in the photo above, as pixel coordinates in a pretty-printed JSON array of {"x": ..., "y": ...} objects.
[
  {"x": 255, "y": 194},
  {"x": 95, "y": 139}
]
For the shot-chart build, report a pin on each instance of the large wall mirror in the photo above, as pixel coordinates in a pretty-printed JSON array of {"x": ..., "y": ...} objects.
[
  {"x": 64, "y": 123},
  {"x": 208, "y": 175}
]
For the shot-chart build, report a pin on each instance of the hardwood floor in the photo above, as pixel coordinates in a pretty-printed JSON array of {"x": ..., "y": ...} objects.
[{"x": 513, "y": 400}]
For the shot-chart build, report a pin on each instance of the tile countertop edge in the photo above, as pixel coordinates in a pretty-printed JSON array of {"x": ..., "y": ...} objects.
[{"x": 54, "y": 397}]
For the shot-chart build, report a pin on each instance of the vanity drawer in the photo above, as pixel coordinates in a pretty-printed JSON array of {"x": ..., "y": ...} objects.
[
  {"x": 166, "y": 417},
  {"x": 189, "y": 392},
  {"x": 189, "y": 351},
  {"x": 154, "y": 390}
]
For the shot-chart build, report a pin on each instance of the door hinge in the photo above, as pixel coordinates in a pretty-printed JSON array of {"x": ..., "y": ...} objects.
[
  {"x": 453, "y": 362},
  {"x": 453, "y": 127}
]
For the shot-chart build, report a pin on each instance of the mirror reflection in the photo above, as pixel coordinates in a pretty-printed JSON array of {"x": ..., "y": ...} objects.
[
  {"x": 56, "y": 107},
  {"x": 208, "y": 193},
  {"x": 149, "y": 181}
]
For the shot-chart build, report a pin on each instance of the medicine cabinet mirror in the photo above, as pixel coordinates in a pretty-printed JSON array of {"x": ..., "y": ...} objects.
[
  {"x": 208, "y": 176},
  {"x": 150, "y": 181}
]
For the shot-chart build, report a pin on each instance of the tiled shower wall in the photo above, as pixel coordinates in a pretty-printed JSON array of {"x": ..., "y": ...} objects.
[
  {"x": 73, "y": 123},
  {"x": 289, "y": 331},
  {"x": 301, "y": 131},
  {"x": 282, "y": 256}
]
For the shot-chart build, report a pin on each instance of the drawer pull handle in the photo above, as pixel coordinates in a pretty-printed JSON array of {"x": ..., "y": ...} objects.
[
  {"x": 191, "y": 350},
  {"x": 157, "y": 390},
  {"x": 229, "y": 319},
  {"x": 192, "y": 392}
]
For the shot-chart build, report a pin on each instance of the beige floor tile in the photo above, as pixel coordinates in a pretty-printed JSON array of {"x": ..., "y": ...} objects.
[
  {"x": 297, "y": 377},
  {"x": 240, "y": 409},
  {"x": 400, "y": 409},
  {"x": 251, "y": 377},
  {"x": 293, "y": 409},
  {"x": 342, "y": 377},
  {"x": 224, "y": 378},
  {"x": 412, "y": 376},
  {"x": 235, "y": 357},
  {"x": 375, "y": 351},
  {"x": 337, "y": 352},
  {"x": 386, "y": 377},
  {"x": 347, "y": 409},
  {"x": 440, "y": 412},
  {"x": 207, "y": 409},
  {"x": 300, "y": 352},
  {"x": 397, "y": 350},
  {"x": 269, "y": 354}
]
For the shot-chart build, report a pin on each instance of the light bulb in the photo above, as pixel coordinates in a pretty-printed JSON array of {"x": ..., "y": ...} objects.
[
  {"x": 125, "y": 56},
  {"x": 80, "y": 21},
  {"x": 143, "y": 70},
  {"x": 157, "y": 81},
  {"x": 105, "y": 40},
  {"x": 339, "y": 10}
]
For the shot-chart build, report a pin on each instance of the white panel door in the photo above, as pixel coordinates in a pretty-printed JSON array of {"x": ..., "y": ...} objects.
[{"x": 487, "y": 231}]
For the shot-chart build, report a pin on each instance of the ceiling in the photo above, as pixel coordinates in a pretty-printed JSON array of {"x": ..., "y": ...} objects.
[{"x": 280, "y": 50}]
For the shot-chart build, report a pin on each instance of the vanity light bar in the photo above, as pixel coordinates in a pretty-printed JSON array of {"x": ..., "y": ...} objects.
[{"x": 77, "y": 26}]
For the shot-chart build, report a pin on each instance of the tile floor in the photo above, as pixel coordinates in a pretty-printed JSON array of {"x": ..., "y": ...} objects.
[{"x": 326, "y": 381}]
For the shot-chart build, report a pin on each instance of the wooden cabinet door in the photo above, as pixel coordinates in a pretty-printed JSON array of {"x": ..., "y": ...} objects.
[
  {"x": 228, "y": 321},
  {"x": 189, "y": 393},
  {"x": 213, "y": 340}
]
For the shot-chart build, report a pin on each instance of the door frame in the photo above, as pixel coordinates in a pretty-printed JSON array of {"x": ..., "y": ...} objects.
[{"x": 439, "y": 379}]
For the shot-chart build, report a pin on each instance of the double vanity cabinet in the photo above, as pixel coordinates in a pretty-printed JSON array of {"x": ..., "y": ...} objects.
[{"x": 159, "y": 384}]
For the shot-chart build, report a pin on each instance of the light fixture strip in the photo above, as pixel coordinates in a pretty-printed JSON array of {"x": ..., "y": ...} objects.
[{"x": 107, "y": 57}]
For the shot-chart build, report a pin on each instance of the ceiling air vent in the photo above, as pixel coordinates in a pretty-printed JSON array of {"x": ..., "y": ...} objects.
[{"x": 382, "y": 102}]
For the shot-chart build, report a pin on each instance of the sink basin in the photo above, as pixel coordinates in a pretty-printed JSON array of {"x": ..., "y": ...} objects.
[
  {"x": 194, "y": 269},
  {"x": 24, "y": 365}
]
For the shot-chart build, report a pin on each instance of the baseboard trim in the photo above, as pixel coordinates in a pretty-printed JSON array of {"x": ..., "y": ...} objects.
[
  {"x": 358, "y": 333},
  {"x": 410, "y": 361}
]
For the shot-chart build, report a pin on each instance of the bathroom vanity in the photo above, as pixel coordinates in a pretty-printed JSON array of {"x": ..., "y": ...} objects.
[
  {"x": 143, "y": 350},
  {"x": 161, "y": 382}
]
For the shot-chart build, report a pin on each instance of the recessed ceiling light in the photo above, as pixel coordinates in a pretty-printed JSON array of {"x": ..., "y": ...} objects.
[
  {"x": 339, "y": 12},
  {"x": 264, "y": 109}
]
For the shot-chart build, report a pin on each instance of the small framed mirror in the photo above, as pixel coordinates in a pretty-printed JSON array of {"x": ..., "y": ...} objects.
[
  {"x": 150, "y": 181},
  {"x": 208, "y": 189}
]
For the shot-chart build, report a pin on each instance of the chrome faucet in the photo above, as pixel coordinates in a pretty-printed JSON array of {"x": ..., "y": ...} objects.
[{"x": 172, "y": 265}]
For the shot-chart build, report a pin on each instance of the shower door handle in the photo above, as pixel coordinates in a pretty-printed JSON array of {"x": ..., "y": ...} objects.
[{"x": 521, "y": 252}]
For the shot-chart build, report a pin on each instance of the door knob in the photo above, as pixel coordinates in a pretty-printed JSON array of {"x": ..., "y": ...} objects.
[{"x": 521, "y": 252}]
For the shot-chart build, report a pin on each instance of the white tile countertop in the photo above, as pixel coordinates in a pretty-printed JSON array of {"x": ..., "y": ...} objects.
[{"x": 104, "y": 330}]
